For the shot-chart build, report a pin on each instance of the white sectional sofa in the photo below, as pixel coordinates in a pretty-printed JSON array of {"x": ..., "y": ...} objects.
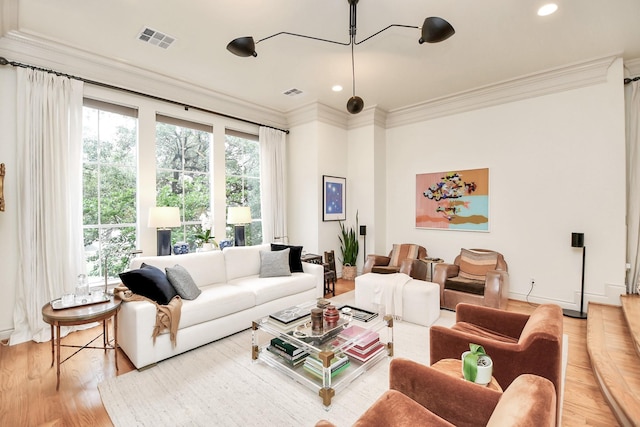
[{"x": 233, "y": 295}]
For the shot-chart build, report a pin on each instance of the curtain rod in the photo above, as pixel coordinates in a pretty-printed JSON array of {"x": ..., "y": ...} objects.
[
  {"x": 4, "y": 61},
  {"x": 632, "y": 79}
]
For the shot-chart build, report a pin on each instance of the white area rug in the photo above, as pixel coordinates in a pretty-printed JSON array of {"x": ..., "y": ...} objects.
[{"x": 218, "y": 384}]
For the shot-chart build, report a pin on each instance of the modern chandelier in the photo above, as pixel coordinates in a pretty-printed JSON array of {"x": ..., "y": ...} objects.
[{"x": 433, "y": 30}]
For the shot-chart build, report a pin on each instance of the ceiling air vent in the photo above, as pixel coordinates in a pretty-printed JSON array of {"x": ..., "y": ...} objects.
[
  {"x": 156, "y": 38},
  {"x": 292, "y": 92}
]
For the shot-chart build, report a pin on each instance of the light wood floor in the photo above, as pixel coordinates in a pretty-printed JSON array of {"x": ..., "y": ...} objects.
[{"x": 28, "y": 394}]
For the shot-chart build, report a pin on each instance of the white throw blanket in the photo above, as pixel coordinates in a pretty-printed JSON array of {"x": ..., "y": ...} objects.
[{"x": 387, "y": 291}]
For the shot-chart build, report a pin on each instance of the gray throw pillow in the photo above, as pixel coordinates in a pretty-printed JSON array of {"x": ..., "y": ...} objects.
[
  {"x": 274, "y": 263},
  {"x": 182, "y": 281}
]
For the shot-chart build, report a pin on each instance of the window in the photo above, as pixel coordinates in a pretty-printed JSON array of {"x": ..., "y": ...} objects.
[
  {"x": 109, "y": 187},
  {"x": 183, "y": 155},
  {"x": 242, "y": 161}
]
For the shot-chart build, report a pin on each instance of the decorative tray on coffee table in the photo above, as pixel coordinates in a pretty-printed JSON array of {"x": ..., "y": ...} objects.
[
  {"x": 308, "y": 335},
  {"x": 56, "y": 304},
  {"x": 358, "y": 313}
]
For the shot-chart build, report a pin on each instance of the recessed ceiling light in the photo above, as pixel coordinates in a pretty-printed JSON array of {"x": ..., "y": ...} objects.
[
  {"x": 337, "y": 88},
  {"x": 547, "y": 9}
]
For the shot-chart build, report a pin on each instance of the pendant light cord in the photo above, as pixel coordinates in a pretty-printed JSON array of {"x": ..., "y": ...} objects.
[{"x": 353, "y": 69}]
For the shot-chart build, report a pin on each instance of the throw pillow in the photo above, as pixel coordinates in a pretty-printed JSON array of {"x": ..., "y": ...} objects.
[
  {"x": 400, "y": 252},
  {"x": 295, "y": 253},
  {"x": 274, "y": 263},
  {"x": 150, "y": 282},
  {"x": 475, "y": 264},
  {"x": 183, "y": 283}
]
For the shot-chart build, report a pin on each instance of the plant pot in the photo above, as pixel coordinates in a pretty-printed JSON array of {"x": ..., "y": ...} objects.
[
  {"x": 485, "y": 369},
  {"x": 206, "y": 247},
  {"x": 349, "y": 272}
]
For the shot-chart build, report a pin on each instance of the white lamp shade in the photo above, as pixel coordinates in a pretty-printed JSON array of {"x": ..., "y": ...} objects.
[
  {"x": 164, "y": 217},
  {"x": 239, "y": 215}
]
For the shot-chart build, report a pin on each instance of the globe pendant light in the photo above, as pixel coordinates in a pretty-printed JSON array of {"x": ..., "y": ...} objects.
[
  {"x": 433, "y": 30},
  {"x": 355, "y": 104}
]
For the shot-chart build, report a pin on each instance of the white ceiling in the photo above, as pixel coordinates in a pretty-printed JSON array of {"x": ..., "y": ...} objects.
[{"x": 495, "y": 40}]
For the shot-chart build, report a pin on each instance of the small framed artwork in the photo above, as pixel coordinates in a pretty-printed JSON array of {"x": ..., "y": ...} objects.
[
  {"x": 453, "y": 200},
  {"x": 334, "y": 198}
]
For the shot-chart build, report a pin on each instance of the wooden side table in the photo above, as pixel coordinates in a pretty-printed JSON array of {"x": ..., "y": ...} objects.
[
  {"x": 100, "y": 312},
  {"x": 453, "y": 367}
]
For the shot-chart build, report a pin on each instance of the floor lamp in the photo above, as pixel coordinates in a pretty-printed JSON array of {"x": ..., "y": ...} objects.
[
  {"x": 577, "y": 241},
  {"x": 164, "y": 218},
  {"x": 239, "y": 216}
]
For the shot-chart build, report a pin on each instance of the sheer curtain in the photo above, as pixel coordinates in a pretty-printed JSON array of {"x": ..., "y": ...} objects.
[
  {"x": 632, "y": 108},
  {"x": 49, "y": 174},
  {"x": 273, "y": 156}
]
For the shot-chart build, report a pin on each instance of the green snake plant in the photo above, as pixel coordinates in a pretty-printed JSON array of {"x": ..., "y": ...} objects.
[{"x": 349, "y": 245}]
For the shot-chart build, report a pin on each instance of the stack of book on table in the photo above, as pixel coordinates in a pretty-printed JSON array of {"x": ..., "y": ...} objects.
[
  {"x": 314, "y": 366},
  {"x": 287, "y": 351},
  {"x": 290, "y": 317},
  {"x": 365, "y": 346}
]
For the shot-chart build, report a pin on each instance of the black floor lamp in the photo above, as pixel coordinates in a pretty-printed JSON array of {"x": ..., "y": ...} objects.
[{"x": 577, "y": 241}]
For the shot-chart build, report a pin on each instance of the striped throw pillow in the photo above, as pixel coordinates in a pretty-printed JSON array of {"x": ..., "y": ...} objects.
[
  {"x": 400, "y": 252},
  {"x": 475, "y": 265}
]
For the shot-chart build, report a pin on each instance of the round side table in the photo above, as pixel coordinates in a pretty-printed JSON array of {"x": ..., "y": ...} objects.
[
  {"x": 99, "y": 312},
  {"x": 453, "y": 367}
]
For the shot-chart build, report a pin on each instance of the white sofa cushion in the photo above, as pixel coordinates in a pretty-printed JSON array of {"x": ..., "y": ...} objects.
[
  {"x": 243, "y": 261},
  {"x": 214, "y": 302},
  {"x": 272, "y": 288},
  {"x": 205, "y": 268}
]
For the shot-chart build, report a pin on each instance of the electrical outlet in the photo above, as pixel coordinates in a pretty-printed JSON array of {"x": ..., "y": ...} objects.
[{"x": 532, "y": 281}]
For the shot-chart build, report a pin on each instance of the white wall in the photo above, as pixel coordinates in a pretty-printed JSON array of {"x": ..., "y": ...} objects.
[
  {"x": 313, "y": 150},
  {"x": 556, "y": 166}
]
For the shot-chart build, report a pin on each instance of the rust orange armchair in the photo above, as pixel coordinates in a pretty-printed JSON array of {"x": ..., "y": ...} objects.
[
  {"x": 422, "y": 396},
  {"x": 517, "y": 343}
]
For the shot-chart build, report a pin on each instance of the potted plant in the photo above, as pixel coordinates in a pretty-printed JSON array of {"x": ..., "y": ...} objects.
[
  {"x": 208, "y": 241},
  {"x": 477, "y": 366},
  {"x": 349, "y": 248}
]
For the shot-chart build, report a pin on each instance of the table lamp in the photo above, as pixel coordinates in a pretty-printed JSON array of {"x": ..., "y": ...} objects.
[
  {"x": 238, "y": 216},
  {"x": 163, "y": 218}
]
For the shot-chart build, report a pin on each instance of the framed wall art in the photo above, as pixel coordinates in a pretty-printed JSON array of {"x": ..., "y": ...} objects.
[
  {"x": 453, "y": 200},
  {"x": 334, "y": 198}
]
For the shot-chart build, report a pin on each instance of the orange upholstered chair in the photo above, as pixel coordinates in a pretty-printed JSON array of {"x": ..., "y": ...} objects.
[
  {"x": 477, "y": 276},
  {"x": 517, "y": 343},
  {"x": 422, "y": 396}
]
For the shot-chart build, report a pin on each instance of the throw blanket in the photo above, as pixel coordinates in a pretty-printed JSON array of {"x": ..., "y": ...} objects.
[
  {"x": 388, "y": 292},
  {"x": 167, "y": 316}
]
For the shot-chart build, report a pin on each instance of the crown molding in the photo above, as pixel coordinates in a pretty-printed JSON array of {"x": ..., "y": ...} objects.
[
  {"x": 370, "y": 116},
  {"x": 556, "y": 80},
  {"x": 632, "y": 68},
  {"x": 31, "y": 50},
  {"x": 316, "y": 112}
]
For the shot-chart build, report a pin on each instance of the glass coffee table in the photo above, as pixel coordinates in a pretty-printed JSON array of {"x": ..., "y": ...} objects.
[{"x": 325, "y": 361}]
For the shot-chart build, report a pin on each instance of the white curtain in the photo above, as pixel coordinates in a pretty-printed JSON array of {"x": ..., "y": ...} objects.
[
  {"x": 632, "y": 108},
  {"x": 49, "y": 175},
  {"x": 273, "y": 156}
]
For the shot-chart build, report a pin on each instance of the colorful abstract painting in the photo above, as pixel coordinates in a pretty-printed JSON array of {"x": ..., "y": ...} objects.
[
  {"x": 455, "y": 200},
  {"x": 334, "y": 198}
]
